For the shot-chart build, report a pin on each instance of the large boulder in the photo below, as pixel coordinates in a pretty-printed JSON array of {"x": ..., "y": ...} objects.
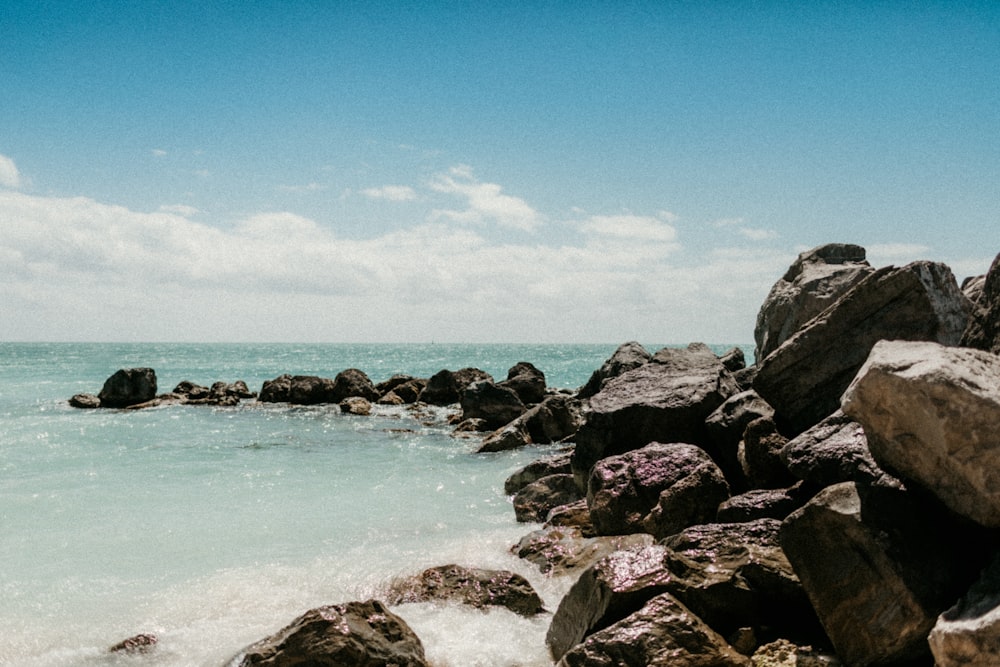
[
  {"x": 351, "y": 383},
  {"x": 527, "y": 382},
  {"x": 128, "y": 386},
  {"x": 816, "y": 279},
  {"x": 663, "y": 633},
  {"x": 879, "y": 564},
  {"x": 298, "y": 390},
  {"x": 833, "y": 451},
  {"x": 445, "y": 386},
  {"x": 534, "y": 501},
  {"x": 726, "y": 427},
  {"x": 968, "y": 634},
  {"x": 495, "y": 405},
  {"x": 660, "y": 489},
  {"x": 805, "y": 377},
  {"x": 556, "y": 418},
  {"x": 932, "y": 415},
  {"x": 983, "y": 331},
  {"x": 628, "y": 356},
  {"x": 361, "y": 634},
  {"x": 665, "y": 400},
  {"x": 476, "y": 587}
]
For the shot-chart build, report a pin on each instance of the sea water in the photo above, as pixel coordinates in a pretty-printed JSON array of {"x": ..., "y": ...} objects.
[{"x": 213, "y": 527}]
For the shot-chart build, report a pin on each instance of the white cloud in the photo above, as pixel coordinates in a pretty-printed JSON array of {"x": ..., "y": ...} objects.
[
  {"x": 485, "y": 201},
  {"x": 179, "y": 209},
  {"x": 391, "y": 193},
  {"x": 757, "y": 234},
  {"x": 631, "y": 227},
  {"x": 10, "y": 177}
]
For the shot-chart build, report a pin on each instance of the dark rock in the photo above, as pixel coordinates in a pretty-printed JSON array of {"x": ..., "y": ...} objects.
[
  {"x": 661, "y": 634},
  {"x": 506, "y": 438},
  {"x": 276, "y": 390},
  {"x": 659, "y": 489},
  {"x": 575, "y": 515},
  {"x": 760, "y": 455},
  {"x": 734, "y": 360},
  {"x": 805, "y": 377},
  {"x": 353, "y": 382},
  {"x": 386, "y": 386},
  {"x": 764, "y": 504},
  {"x": 564, "y": 550},
  {"x": 391, "y": 398},
  {"x": 556, "y": 418},
  {"x": 311, "y": 390},
  {"x": 128, "y": 386},
  {"x": 932, "y": 415},
  {"x": 983, "y": 331},
  {"x": 833, "y": 451},
  {"x": 745, "y": 377},
  {"x": 527, "y": 382},
  {"x": 495, "y": 405},
  {"x": 665, "y": 400},
  {"x": 968, "y": 634},
  {"x": 471, "y": 586},
  {"x": 543, "y": 467},
  {"x": 138, "y": 644},
  {"x": 191, "y": 390},
  {"x": 85, "y": 401},
  {"x": 445, "y": 387},
  {"x": 725, "y": 429},
  {"x": 533, "y": 502},
  {"x": 356, "y": 405},
  {"x": 410, "y": 391},
  {"x": 815, "y": 280},
  {"x": 628, "y": 356},
  {"x": 360, "y": 634}
]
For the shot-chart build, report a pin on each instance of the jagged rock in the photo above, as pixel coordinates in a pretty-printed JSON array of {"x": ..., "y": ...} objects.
[
  {"x": 557, "y": 417},
  {"x": 542, "y": 467},
  {"x": 85, "y": 401},
  {"x": 533, "y": 502},
  {"x": 733, "y": 359},
  {"x": 805, "y": 377},
  {"x": 628, "y": 356},
  {"x": 391, "y": 398},
  {"x": 661, "y": 634},
  {"x": 527, "y": 382},
  {"x": 816, "y": 279},
  {"x": 783, "y": 653},
  {"x": 659, "y": 489},
  {"x": 475, "y": 587},
  {"x": 495, "y": 405},
  {"x": 276, "y": 390},
  {"x": 725, "y": 427},
  {"x": 128, "y": 386},
  {"x": 833, "y": 451},
  {"x": 575, "y": 514},
  {"x": 396, "y": 380},
  {"x": 138, "y": 644},
  {"x": 968, "y": 634},
  {"x": 879, "y": 564},
  {"x": 512, "y": 436},
  {"x": 563, "y": 550},
  {"x": 665, "y": 400},
  {"x": 983, "y": 331},
  {"x": 764, "y": 504},
  {"x": 353, "y": 382},
  {"x": 356, "y": 405},
  {"x": 361, "y": 634},
  {"x": 445, "y": 387},
  {"x": 932, "y": 415},
  {"x": 760, "y": 455}
]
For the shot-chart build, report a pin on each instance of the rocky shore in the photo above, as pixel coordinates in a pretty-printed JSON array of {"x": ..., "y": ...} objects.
[{"x": 836, "y": 502}]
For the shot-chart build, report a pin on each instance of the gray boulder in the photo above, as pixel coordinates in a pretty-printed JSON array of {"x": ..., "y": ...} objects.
[
  {"x": 968, "y": 634},
  {"x": 361, "y": 634},
  {"x": 665, "y": 400},
  {"x": 628, "y": 356},
  {"x": 476, "y": 587},
  {"x": 805, "y": 377},
  {"x": 983, "y": 331},
  {"x": 659, "y": 489},
  {"x": 128, "y": 386},
  {"x": 833, "y": 451},
  {"x": 932, "y": 415},
  {"x": 816, "y": 279}
]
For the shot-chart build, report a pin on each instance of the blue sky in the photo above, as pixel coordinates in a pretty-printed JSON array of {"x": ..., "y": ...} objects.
[{"x": 537, "y": 172}]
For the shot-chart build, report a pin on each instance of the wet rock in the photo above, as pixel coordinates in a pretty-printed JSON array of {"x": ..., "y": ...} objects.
[
  {"x": 575, "y": 514},
  {"x": 356, "y": 405},
  {"x": 138, "y": 644},
  {"x": 128, "y": 386},
  {"x": 628, "y": 356},
  {"x": 475, "y": 587},
  {"x": 85, "y": 401},
  {"x": 833, "y": 451},
  {"x": 362, "y": 634},
  {"x": 968, "y": 634},
  {"x": 512, "y": 436},
  {"x": 983, "y": 331},
  {"x": 932, "y": 415},
  {"x": 565, "y": 550},
  {"x": 542, "y": 467},
  {"x": 526, "y": 381},
  {"x": 804, "y": 378},
  {"x": 534, "y": 501},
  {"x": 495, "y": 405}
]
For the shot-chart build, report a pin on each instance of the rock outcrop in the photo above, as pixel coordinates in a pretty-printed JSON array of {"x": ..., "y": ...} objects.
[
  {"x": 527, "y": 382},
  {"x": 628, "y": 356},
  {"x": 445, "y": 386},
  {"x": 128, "y": 386},
  {"x": 494, "y": 405},
  {"x": 983, "y": 331},
  {"x": 475, "y": 587}
]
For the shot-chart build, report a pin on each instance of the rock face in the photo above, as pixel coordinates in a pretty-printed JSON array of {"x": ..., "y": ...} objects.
[
  {"x": 665, "y": 400},
  {"x": 932, "y": 415},
  {"x": 983, "y": 332},
  {"x": 128, "y": 386},
  {"x": 661, "y": 634},
  {"x": 628, "y": 356},
  {"x": 968, "y": 634},
  {"x": 727, "y": 425},
  {"x": 833, "y": 451},
  {"x": 471, "y": 586},
  {"x": 534, "y": 501},
  {"x": 805, "y": 377},
  {"x": 495, "y": 405},
  {"x": 659, "y": 489},
  {"x": 812, "y": 283},
  {"x": 365, "y": 634}
]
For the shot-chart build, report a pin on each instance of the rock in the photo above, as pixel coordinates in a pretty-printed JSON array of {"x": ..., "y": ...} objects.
[
  {"x": 661, "y": 634},
  {"x": 512, "y": 436},
  {"x": 138, "y": 644},
  {"x": 783, "y": 653},
  {"x": 85, "y": 401},
  {"x": 575, "y": 515},
  {"x": 968, "y": 634},
  {"x": 396, "y": 380},
  {"x": 659, "y": 489},
  {"x": 983, "y": 331},
  {"x": 805, "y": 377},
  {"x": 191, "y": 390},
  {"x": 311, "y": 390},
  {"x": 495, "y": 405},
  {"x": 471, "y": 586},
  {"x": 353, "y": 382},
  {"x": 665, "y": 400},
  {"x": 527, "y": 382},
  {"x": 973, "y": 288},
  {"x": 356, "y": 405},
  {"x": 276, "y": 390},
  {"x": 816, "y": 279},
  {"x": 734, "y": 360},
  {"x": 564, "y": 550},
  {"x": 725, "y": 427},
  {"x": 533, "y": 502},
  {"x": 833, "y": 451},
  {"x": 391, "y": 398},
  {"x": 557, "y": 417},
  {"x": 932, "y": 415},
  {"x": 760, "y": 455},
  {"x": 879, "y": 564},
  {"x": 362, "y": 634},
  {"x": 128, "y": 386},
  {"x": 764, "y": 504},
  {"x": 542, "y": 467},
  {"x": 628, "y": 356},
  {"x": 445, "y": 387}
]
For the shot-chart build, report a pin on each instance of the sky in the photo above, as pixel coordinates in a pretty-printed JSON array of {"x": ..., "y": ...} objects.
[{"x": 532, "y": 172}]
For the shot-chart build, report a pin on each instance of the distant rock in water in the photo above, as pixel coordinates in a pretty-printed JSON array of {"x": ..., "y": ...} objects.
[
  {"x": 141, "y": 643},
  {"x": 128, "y": 386}
]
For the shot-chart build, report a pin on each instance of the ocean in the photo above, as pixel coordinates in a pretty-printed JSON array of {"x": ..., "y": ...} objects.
[{"x": 213, "y": 527}]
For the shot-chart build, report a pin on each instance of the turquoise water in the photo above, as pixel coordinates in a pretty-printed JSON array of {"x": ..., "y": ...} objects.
[{"x": 213, "y": 527}]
